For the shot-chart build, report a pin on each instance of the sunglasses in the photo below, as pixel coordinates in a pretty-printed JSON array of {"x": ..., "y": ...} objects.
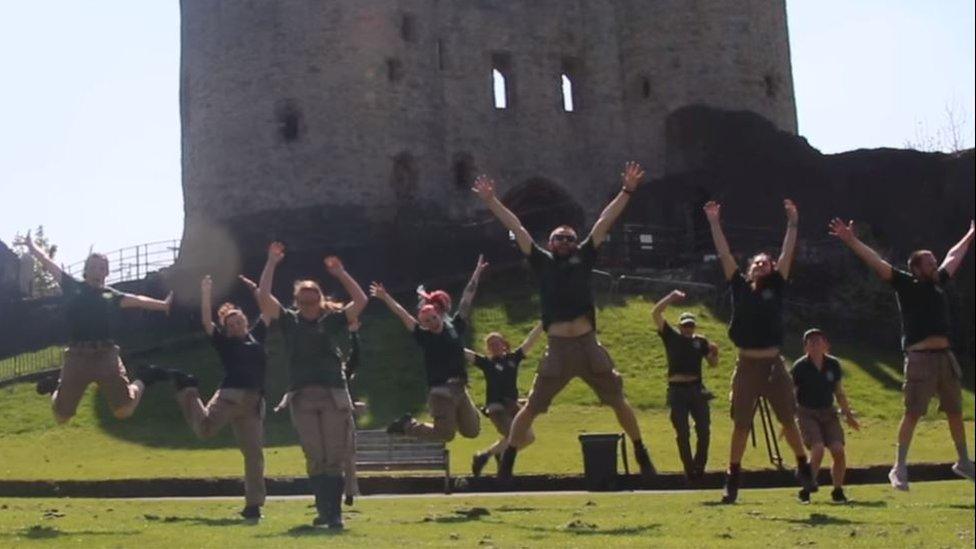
[{"x": 568, "y": 238}]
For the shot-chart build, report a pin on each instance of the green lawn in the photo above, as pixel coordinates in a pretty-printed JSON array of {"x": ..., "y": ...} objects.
[
  {"x": 156, "y": 442},
  {"x": 936, "y": 514}
]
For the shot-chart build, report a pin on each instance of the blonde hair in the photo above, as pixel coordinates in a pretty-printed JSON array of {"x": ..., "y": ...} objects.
[{"x": 325, "y": 302}]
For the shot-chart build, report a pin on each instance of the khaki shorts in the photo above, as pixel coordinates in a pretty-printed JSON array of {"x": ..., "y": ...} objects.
[
  {"x": 453, "y": 412},
  {"x": 928, "y": 373},
  {"x": 85, "y": 365},
  {"x": 502, "y": 414},
  {"x": 819, "y": 426},
  {"x": 761, "y": 377},
  {"x": 569, "y": 357}
]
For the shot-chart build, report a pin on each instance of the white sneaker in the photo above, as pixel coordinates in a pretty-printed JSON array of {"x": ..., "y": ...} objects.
[
  {"x": 965, "y": 469},
  {"x": 899, "y": 478}
]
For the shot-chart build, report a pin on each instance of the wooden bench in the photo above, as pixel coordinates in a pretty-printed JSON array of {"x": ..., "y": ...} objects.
[{"x": 378, "y": 451}]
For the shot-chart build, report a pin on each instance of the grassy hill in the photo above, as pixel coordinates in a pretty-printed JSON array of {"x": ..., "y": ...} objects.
[{"x": 156, "y": 442}]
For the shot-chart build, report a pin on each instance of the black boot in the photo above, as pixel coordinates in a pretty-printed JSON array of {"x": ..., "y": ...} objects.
[
  {"x": 731, "y": 492},
  {"x": 334, "y": 485},
  {"x": 183, "y": 380},
  {"x": 647, "y": 469},
  {"x": 506, "y": 465},
  {"x": 151, "y": 373},
  {"x": 399, "y": 427},
  {"x": 478, "y": 463},
  {"x": 804, "y": 474},
  {"x": 318, "y": 490},
  {"x": 48, "y": 384}
]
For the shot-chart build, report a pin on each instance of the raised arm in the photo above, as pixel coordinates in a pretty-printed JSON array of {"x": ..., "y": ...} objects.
[
  {"x": 46, "y": 262},
  {"x": 531, "y": 339},
  {"x": 355, "y": 291},
  {"x": 657, "y": 313},
  {"x": 132, "y": 301},
  {"x": 631, "y": 178},
  {"x": 270, "y": 307},
  {"x": 785, "y": 262},
  {"x": 713, "y": 213},
  {"x": 206, "y": 305},
  {"x": 379, "y": 292},
  {"x": 467, "y": 297},
  {"x": 845, "y": 232},
  {"x": 253, "y": 287},
  {"x": 957, "y": 253},
  {"x": 845, "y": 406},
  {"x": 484, "y": 187}
]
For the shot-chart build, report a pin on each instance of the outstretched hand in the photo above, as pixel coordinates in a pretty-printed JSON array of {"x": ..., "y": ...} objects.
[
  {"x": 378, "y": 291},
  {"x": 712, "y": 210},
  {"x": 334, "y": 265},
  {"x": 792, "y": 215},
  {"x": 484, "y": 187},
  {"x": 843, "y": 231},
  {"x": 852, "y": 421},
  {"x": 632, "y": 176},
  {"x": 168, "y": 302},
  {"x": 482, "y": 264},
  {"x": 276, "y": 252},
  {"x": 206, "y": 285},
  {"x": 676, "y": 296}
]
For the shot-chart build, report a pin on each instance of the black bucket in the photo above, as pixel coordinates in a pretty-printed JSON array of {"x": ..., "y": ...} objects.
[{"x": 600, "y": 461}]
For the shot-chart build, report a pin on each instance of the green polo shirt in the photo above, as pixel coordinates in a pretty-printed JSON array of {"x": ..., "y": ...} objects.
[{"x": 312, "y": 347}]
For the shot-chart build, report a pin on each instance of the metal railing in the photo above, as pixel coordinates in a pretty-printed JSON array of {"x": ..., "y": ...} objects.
[
  {"x": 134, "y": 262},
  {"x": 31, "y": 362}
]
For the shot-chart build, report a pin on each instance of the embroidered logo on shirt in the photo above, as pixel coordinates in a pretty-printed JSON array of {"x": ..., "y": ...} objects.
[
  {"x": 767, "y": 294},
  {"x": 830, "y": 376},
  {"x": 575, "y": 260}
]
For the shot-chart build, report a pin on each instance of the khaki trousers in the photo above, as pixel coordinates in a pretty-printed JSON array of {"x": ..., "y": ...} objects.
[
  {"x": 244, "y": 410},
  {"x": 322, "y": 416}
]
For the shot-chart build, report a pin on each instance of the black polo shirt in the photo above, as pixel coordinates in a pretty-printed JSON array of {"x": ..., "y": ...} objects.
[
  {"x": 815, "y": 387},
  {"x": 243, "y": 359},
  {"x": 92, "y": 313},
  {"x": 684, "y": 354},
  {"x": 444, "y": 351},
  {"x": 924, "y": 306},
  {"x": 501, "y": 375},
  {"x": 564, "y": 283},
  {"x": 757, "y": 314}
]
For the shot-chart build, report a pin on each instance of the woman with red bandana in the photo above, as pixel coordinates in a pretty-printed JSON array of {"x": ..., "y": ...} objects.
[{"x": 441, "y": 335}]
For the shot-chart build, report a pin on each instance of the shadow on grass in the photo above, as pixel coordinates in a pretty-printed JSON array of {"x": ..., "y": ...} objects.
[
  {"x": 306, "y": 530},
  {"x": 459, "y": 516},
  {"x": 581, "y": 528},
  {"x": 52, "y": 532},
  {"x": 817, "y": 519},
  {"x": 204, "y": 521},
  {"x": 869, "y": 504}
]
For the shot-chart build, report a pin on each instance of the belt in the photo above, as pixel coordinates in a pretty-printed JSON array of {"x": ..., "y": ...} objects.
[{"x": 694, "y": 383}]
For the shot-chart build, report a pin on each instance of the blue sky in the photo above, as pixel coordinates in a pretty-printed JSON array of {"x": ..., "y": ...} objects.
[{"x": 90, "y": 140}]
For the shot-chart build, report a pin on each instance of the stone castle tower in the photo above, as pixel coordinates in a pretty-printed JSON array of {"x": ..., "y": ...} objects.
[{"x": 339, "y": 122}]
